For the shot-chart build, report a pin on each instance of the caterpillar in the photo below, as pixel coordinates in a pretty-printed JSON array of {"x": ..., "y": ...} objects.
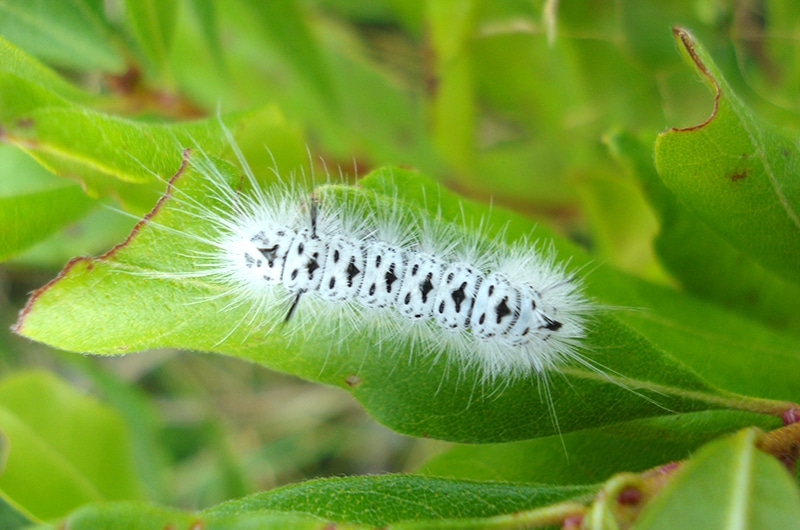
[{"x": 303, "y": 261}]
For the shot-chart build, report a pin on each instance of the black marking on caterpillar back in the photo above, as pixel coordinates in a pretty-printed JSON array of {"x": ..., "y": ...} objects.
[
  {"x": 502, "y": 310},
  {"x": 352, "y": 272},
  {"x": 270, "y": 254},
  {"x": 389, "y": 278},
  {"x": 458, "y": 296},
  {"x": 426, "y": 287}
]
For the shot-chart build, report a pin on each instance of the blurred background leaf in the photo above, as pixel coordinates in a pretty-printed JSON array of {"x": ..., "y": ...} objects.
[
  {"x": 73, "y": 34},
  {"x": 53, "y": 433}
]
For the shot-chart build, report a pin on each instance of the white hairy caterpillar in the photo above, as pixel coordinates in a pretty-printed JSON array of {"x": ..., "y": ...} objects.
[{"x": 332, "y": 263}]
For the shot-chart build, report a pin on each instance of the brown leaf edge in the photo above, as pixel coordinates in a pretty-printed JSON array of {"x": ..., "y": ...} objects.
[
  {"x": 17, "y": 327},
  {"x": 688, "y": 42}
]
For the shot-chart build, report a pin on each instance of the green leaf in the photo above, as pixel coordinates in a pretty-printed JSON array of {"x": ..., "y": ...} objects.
[
  {"x": 386, "y": 499},
  {"x": 705, "y": 263},
  {"x": 538, "y": 116},
  {"x": 375, "y": 112},
  {"x": 765, "y": 56},
  {"x": 729, "y": 351},
  {"x": 69, "y": 33},
  {"x": 96, "y": 232},
  {"x": 403, "y": 501},
  {"x": 153, "y": 25},
  {"x": 143, "y": 420},
  {"x": 11, "y": 518},
  {"x": 736, "y": 173},
  {"x": 115, "y": 152},
  {"x": 645, "y": 28},
  {"x": 139, "y": 516},
  {"x": 728, "y": 484},
  {"x": 15, "y": 61},
  {"x": 591, "y": 456},
  {"x": 136, "y": 297},
  {"x": 206, "y": 13},
  {"x": 33, "y": 202},
  {"x": 52, "y": 431},
  {"x": 453, "y": 114},
  {"x": 21, "y": 96},
  {"x": 284, "y": 26},
  {"x": 123, "y": 516}
]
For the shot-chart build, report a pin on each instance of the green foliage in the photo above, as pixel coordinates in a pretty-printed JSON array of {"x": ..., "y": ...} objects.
[
  {"x": 551, "y": 113},
  {"x": 72, "y": 33},
  {"x": 737, "y": 173},
  {"x": 726, "y": 275},
  {"x": 403, "y": 501},
  {"x": 153, "y": 26},
  {"x": 638, "y": 444},
  {"x": 758, "y": 493},
  {"x": 33, "y": 208},
  {"x": 47, "y": 425}
]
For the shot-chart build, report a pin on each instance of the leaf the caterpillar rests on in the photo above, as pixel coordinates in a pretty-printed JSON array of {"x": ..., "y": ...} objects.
[{"x": 181, "y": 280}]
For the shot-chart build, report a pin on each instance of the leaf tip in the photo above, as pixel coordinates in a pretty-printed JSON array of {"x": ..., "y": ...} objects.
[
  {"x": 692, "y": 51},
  {"x": 684, "y": 35},
  {"x": 18, "y": 326}
]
